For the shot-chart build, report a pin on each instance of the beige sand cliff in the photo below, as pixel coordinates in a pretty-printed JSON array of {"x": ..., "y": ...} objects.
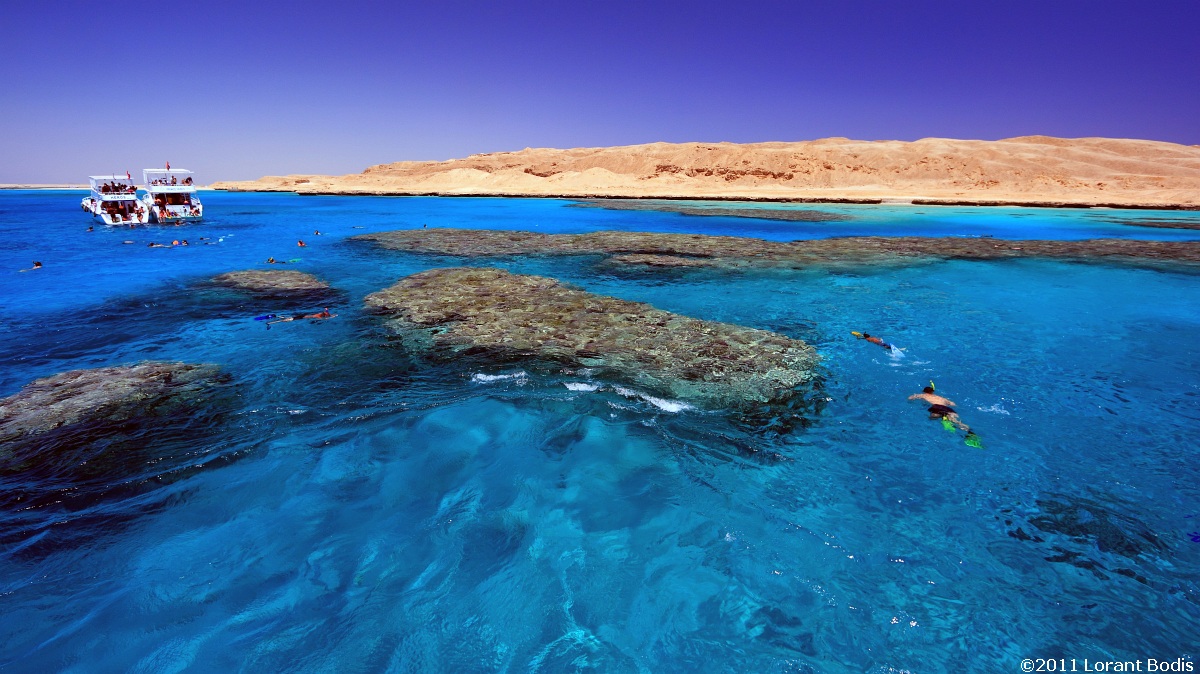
[{"x": 1028, "y": 170}]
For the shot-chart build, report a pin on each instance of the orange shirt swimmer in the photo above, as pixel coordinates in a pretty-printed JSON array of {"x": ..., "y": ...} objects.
[{"x": 872, "y": 339}]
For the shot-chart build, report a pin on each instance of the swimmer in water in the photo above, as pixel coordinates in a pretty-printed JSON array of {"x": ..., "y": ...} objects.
[
  {"x": 301, "y": 244},
  {"x": 872, "y": 339},
  {"x": 940, "y": 407},
  {"x": 300, "y": 317},
  {"x": 36, "y": 265}
]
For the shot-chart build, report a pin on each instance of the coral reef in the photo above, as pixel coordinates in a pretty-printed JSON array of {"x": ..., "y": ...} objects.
[
  {"x": 791, "y": 215},
  {"x": 273, "y": 282},
  {"x": 696, "y": 250},
  {"x": 106, "y": 394},
  {"x": 504, "y": 315}
]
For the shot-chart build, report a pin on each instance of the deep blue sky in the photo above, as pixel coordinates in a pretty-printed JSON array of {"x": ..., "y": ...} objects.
[{"x": 241, "y": 89}]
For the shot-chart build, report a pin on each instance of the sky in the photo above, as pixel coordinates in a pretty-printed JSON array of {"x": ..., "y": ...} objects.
[{"x": 238, "y": 90}]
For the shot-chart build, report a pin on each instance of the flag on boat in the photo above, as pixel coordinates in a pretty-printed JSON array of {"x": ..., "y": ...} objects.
[
  {"x": 168, "y": 166},
  {"x": 127, "y": 176}
]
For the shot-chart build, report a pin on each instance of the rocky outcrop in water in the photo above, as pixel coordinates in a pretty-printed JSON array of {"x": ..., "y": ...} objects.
[
  {"x": 493, "y": 312},
  {"x": 274, "y": 282},
  {"x": 102, "y": 395},
  {"x": 788, "y": 214},
  {"x": 632, "y": 249}
]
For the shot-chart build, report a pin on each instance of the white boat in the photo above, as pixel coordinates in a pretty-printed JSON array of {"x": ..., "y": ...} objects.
[
  {"x": 113, "y": 200},
  {"x": 171, "y": 195}
]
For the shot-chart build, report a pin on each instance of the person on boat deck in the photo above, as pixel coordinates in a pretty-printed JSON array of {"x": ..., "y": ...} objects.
[{"x": 187, "y": 180}]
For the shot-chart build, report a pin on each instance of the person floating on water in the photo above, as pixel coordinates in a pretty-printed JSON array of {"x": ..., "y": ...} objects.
[
  {"x": 942, "y": 408},
  {"x": 301, "y": 243},
  {"x": 300, "y": 317},
  {"x": 872, "y": 339},
  {"x": 36, "y": 265}
]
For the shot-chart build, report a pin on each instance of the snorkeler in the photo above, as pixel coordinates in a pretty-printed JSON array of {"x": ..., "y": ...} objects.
[
  {"x": 942, "y": 408},
  {"x": 872, "y": 339},
  {"x": 300, "y": 317}
]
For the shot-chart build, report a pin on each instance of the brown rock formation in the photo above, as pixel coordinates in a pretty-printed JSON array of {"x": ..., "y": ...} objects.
[{"x": 1031, "y": 170}]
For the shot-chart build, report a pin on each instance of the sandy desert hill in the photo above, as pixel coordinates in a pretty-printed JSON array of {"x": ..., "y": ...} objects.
[{"x": 1027, "y": 170}]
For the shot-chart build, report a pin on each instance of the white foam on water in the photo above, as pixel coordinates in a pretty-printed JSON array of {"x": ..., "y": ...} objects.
[
  {"x": 581, "y": 386},
  {"x": 994, "y": 409},
  {"x": 520, "y": 377},
  {"x": 672, "y": 406}
]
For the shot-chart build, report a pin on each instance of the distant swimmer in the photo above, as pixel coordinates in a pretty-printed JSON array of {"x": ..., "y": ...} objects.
[
  {"x": 36, "y": 265},
  {"x": 316, "y": 233},
  {"x": 872, "y": 339},
  {"x": 158, "y": 245},
  {"x": 301, "y": 244},
  {"x": 272, "y": 260},
  {"x": 91, "y": 229},
  {"x": 300, "y": 317}
]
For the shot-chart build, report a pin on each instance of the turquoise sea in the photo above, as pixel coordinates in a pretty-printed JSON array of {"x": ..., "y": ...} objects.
[{"x": 348, "y": 507}]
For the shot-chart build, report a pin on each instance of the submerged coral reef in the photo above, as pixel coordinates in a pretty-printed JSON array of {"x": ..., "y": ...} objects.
[
  {"x": 790, "y": 214},
  {"x": 491, "y": 311},
  {"x": 273, "y": 282},
  {"x": 105, "y": 394},
  {"x": 697, "y": 250}
]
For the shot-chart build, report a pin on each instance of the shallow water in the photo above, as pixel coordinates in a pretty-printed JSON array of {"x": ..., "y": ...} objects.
[{"x": 347, "y": 507}]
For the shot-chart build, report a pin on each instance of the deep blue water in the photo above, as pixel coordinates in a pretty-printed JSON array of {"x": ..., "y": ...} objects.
[{"x": 346, "y": 508}]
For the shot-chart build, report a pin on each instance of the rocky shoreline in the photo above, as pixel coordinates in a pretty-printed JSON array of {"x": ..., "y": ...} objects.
[{"x": 1036, "y": 171}]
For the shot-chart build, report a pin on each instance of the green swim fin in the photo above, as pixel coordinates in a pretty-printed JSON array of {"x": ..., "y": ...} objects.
[
  {"x": 973, "y": 440},
  {"x": 931, "y": 385},
  {"x": 946, "y": 424}
]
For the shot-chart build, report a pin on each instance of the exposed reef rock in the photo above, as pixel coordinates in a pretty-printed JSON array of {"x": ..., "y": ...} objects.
[
  {"x": 102, "y": 395},
  {"x": 727, "y": 252},
  {"x": 1162, "y": 223},
  {"x": 504, "y": 315},
  {"x": 791, "y": 215},
  {"x": 273, "y": 282}
]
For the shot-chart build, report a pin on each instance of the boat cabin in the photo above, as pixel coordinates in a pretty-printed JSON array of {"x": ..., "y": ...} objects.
[
  {"x": 114, "y": 187},
  {"x": 167, "y": 180}
]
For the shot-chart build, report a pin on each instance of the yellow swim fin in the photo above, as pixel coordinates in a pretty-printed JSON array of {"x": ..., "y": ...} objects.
[{"x": 856, "y": 334}]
